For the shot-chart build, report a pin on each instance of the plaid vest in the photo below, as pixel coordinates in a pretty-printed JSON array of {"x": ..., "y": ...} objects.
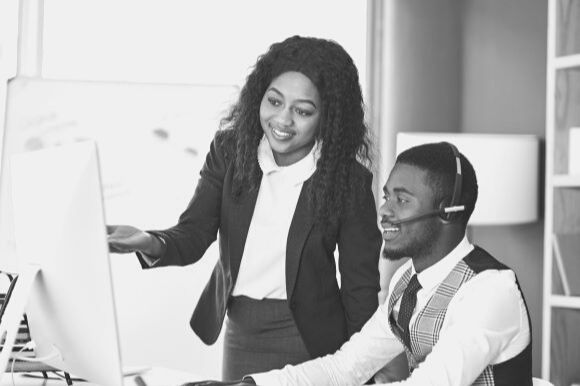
[{"x": 425, "y": 329}]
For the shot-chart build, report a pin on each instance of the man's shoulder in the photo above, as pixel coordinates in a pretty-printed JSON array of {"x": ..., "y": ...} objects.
[
  {"x": 480, "y": 260},
  {"x": 489, "y": 272}
]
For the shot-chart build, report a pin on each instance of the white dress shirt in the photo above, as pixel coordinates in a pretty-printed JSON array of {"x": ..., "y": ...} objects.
[
  {"x": 486, "y": 323},
  {"x": 263, "y": 268}
]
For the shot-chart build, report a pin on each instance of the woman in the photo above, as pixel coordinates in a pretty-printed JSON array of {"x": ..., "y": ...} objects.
[{"x": 285, "y": 182}]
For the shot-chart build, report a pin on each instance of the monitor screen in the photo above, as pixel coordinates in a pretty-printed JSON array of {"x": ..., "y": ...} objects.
[{"x": 59, "y": 225}]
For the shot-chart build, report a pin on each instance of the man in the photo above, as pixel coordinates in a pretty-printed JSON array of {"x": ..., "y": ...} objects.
[{"x": 457, "y": 313}]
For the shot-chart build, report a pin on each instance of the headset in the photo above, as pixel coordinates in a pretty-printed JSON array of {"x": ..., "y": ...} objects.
[{"x": 447, "y": 212}]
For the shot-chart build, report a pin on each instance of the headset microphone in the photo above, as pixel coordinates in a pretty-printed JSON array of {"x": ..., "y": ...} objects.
[{"x": 437, "y": 212}]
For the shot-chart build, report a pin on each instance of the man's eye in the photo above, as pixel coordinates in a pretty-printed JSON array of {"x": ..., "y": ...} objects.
[{"x": 402, "y": 200}]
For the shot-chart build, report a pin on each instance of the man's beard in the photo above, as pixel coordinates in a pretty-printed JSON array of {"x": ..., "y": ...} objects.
[
  {"x": 417, "y": 246},
  {"x": 394, "y": 255}
]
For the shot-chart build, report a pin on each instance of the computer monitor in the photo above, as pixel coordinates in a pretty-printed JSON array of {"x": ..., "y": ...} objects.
[{"x": 59, "y": 225}]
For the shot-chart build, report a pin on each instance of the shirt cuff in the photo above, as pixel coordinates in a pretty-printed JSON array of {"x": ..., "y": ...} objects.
[{"x": 151, "y": 261}]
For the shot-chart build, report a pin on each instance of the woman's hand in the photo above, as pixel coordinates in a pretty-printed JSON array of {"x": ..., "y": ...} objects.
[{"x": 127, "y": 239}]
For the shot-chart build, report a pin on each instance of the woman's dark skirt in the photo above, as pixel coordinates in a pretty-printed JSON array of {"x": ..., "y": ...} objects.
[{"x": 260, "y": 336}]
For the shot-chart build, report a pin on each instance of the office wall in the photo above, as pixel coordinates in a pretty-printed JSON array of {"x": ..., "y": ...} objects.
[
  {"x": 503, "y": 91},
  {"x": 422, "y": 60},
  {"x": 182, "y": 41}
]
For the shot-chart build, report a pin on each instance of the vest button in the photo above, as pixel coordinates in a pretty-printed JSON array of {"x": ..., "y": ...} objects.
[{"x": 293, "y": 304}]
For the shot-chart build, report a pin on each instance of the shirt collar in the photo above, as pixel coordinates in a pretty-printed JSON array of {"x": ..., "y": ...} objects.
[
  {"x": 435, "y": 274},
  {"x": 296, "y": 173}
]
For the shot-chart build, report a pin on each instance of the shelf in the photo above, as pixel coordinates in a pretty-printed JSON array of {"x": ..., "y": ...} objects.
[
  {"x": 567, "y": 62},
  {"x": 566, "y": 181},
  {"x": 561, "y": 313},
  {"x": 565, "y": 301}
]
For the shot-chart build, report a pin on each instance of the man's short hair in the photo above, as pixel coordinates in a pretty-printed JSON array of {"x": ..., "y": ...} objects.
[{"x": 439, "y": 162}]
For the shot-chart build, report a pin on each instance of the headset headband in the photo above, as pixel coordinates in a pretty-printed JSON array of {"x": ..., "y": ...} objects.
[{"x": 457, "y": 185}]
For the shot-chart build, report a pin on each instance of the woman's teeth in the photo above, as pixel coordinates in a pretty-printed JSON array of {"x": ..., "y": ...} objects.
[{"x": 283, "y": 134}]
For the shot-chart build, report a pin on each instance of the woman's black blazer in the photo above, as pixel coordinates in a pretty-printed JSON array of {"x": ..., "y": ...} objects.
[{"x": 324, "y": 314}]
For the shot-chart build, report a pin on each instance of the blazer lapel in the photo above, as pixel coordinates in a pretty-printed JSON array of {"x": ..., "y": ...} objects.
[
  {"x": 239, "y": 226},
  {"x": 299, "y": 229}
]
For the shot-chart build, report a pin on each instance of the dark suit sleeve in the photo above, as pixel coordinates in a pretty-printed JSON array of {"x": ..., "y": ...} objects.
[
  {"x": 198, "y": 225},
  {"x": 359, "y": 243}
]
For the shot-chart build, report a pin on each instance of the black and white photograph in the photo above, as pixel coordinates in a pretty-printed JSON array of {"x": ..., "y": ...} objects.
[{"x": 275, "y": 193}]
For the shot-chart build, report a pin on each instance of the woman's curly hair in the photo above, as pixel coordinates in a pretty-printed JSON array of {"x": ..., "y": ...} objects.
[{"x": 342, "y": 132}]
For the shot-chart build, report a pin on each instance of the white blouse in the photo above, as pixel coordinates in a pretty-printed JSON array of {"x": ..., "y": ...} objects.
[{"x": 263, "y": 268}]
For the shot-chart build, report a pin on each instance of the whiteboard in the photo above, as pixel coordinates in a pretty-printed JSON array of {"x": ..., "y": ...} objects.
[
  {"x": 152, "y": 141},
  {"x": 152, "y": 138}
]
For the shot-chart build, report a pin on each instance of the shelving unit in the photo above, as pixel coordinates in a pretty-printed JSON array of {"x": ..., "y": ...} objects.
[
  {"x": 561, "y": 303},
  {"x": 567, "y": 61},
  {"x": 565, "y": 301},
  {"x": 566, "y": 181}
]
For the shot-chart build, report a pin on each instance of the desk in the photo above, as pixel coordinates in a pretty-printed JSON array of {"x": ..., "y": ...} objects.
[{"x": 156, "y": 376}]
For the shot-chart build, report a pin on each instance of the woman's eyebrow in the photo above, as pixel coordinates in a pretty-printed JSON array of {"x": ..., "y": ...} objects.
[{"x": 275, "y": 90}]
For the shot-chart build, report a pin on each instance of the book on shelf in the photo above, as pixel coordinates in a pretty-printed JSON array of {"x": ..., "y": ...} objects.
[{"x": 567, "y": 259}]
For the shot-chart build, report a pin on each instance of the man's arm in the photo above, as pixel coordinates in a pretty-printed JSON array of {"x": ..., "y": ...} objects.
[
  {"x": 353, "y": 364},
  {"x": 487, "y": 324}
]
